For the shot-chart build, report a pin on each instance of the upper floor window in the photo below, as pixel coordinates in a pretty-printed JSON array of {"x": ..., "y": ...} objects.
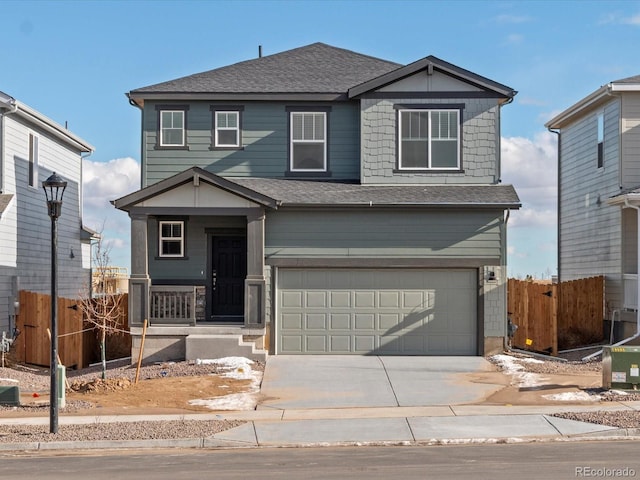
[
  {"x": 429, "y": 139},
  {"x": 227, "y": 126},
  {"x": 33, "y": 160},
  {"x": 171, "y": 239},
  {"x": 308, "y": 144},
  {"x": 600, "y": 140},
  {"x": 172, "y": 126}
]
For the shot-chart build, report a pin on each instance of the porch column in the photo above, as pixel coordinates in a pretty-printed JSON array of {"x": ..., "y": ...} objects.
[
  {"x": 139, "y": 281},
  {"x": 254, "y": 289}
]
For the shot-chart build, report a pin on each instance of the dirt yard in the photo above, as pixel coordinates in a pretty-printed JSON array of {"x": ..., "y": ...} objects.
[{"x": 179, "y": 387}]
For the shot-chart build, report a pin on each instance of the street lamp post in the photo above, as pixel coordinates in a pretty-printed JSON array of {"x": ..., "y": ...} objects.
[{"x": 54, "y": 187}]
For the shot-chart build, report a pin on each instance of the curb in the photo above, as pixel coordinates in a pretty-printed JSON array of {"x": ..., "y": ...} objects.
[{"x": 623, "y": 434}]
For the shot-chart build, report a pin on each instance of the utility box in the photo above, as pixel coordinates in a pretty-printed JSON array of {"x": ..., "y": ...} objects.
[
  {"x": 621, "y": 367},
  {"x": 9, "y": 395}
]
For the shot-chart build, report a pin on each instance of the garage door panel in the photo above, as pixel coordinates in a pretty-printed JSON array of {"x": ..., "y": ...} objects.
[
  {"x": 340, "y": 299},
  {"x": 392, "y": 312},
  {"x": 316, "y": 343},
  {"x": 340, "y": 321},
  {"x": 365, "y": 321},
  {"x": 365, "y": 299}
]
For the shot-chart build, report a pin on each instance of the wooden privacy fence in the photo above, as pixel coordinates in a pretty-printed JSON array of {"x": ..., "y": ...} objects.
[
  {"x": 76, "y": 340},
  {"x": 552, "y": 316}
]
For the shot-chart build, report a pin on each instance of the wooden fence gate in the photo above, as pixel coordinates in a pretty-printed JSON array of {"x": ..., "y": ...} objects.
[
  {"x": 77, "y": 344},
  {"x": 552, "y": 316}
]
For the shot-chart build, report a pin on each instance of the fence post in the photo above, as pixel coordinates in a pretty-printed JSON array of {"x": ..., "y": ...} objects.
[{"x": 555, "y": 291}]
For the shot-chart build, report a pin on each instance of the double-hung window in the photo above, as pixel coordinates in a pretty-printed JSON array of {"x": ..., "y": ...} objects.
[
  {"x": 171, "y": 239},
  {"x": 600, "y": 162},
  {"x": 308, "y": 147},
  {"x": 172, "y": 126},
  {"x": 227, "y": 127},
  {"x": 33, "y": 160},
  {"x": 429, "y": 139}
]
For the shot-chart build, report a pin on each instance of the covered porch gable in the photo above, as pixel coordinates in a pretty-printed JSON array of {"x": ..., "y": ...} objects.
[{"x": 236, "y": 215}]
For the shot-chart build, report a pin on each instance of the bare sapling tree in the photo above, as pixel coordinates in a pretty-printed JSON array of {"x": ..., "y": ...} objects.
[{"x": 103, "y": 306}]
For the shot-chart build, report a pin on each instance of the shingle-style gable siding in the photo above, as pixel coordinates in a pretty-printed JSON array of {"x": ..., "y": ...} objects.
[{"x": 480, "y": 142}]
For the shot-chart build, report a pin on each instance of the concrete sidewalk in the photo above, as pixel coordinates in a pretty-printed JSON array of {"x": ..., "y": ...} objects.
[{"x": 339, "y": 400}]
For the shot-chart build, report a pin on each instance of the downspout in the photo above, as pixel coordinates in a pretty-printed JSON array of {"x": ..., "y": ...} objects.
[
  {"x": 133, "y": 103},
  {"x": 558, "y": 190},
  {"x": 499, "y": 166}
]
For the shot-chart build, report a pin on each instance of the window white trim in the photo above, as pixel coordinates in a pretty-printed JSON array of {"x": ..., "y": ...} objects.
[
  {"x": 173, "y": 239},
  {"x": 34, "y": 155},
  {"x": 308, "y": 141},
  {"x": 167, "y": 128},
  {"x": 218, "y": 128},
  {"x": 443, "y": 136}
]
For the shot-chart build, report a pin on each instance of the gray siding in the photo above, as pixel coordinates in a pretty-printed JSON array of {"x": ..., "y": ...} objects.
[
  {"x": 590, "y": 230},
  {"x": 630, "y": 139},
  {"x": 25, "y": 231},
  {"x": 383, "y": 233},
  {"x": 264, "y": 138},
  {"x": 480, "y": 142},
  {"x": 194, "y": 266}
]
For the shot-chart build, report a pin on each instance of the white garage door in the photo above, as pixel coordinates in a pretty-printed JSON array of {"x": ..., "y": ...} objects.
[{"x": 377, "y": 311}]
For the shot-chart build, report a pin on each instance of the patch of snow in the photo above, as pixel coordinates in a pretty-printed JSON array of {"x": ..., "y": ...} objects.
[
  {"x": 511, "y": 366},
  {"x": 233, "y": 401},
  {"x": 572, "y": 397},
  {"x": 238, "y": 368}
]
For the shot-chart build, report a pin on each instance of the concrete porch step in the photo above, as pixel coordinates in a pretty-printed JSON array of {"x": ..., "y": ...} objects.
[{"x": 208, "y": 346}]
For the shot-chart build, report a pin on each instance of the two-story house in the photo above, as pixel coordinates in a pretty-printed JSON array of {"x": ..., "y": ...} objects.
[
  {"x": 599, "y": 195},
  {"x": 320, "y": 201},
  {"x": 32, "y": 147}
]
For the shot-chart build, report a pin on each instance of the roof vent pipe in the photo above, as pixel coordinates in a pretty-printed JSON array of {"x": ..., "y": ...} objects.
[{"x": 259, "y": 51}]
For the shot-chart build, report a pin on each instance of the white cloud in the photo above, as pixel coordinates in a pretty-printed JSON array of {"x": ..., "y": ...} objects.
[
  {"x": 530, "y": 165},
  {"x": 103, "y": 182},
  {"x": 514, "y": 39}
]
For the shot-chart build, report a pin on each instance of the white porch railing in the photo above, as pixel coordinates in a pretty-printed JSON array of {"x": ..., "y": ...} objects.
[
  {"x": 172, "y": 304},
  {"x": 630, "y": 281}
]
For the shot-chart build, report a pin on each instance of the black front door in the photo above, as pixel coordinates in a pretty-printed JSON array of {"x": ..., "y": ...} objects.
[{"x": 228, "y": 273}]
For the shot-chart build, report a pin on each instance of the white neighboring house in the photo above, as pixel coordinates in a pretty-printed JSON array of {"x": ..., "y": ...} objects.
[
  {"x": 599, "y": 195},
  {"x": 32, "y": 147}
]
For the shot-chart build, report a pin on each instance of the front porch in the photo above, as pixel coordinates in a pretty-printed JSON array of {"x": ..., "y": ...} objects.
[{"x": 197, "y": 268}]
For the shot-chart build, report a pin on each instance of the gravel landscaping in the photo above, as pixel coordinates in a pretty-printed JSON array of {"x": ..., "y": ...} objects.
[{"x": 37, "y": 379}]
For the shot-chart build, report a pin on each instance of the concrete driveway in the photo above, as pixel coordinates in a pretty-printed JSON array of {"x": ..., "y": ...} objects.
[{"x": 343, "y": 381}]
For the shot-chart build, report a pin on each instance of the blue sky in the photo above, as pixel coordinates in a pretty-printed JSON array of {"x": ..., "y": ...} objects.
[{"x": 74, "y": 60}]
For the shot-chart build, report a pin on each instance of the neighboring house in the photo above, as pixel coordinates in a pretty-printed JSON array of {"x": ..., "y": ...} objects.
[
  {"x": 599, "y": 193},
  {"x": 32, "y": 147},
  {"x": 320, "y": 201}
]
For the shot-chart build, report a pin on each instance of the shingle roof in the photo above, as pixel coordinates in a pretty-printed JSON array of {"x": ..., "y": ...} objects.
[
  {"x": 316, "y": 68},
  {"x": 634, "y": 79},
  {"x": 317, "y": 193}
]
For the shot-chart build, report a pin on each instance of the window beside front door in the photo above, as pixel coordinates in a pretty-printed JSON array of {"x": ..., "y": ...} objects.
[
  {"x": 171, "y": 239},
  {"x": 308, "y": 145},
  {"x": 429, "y": 139}
]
